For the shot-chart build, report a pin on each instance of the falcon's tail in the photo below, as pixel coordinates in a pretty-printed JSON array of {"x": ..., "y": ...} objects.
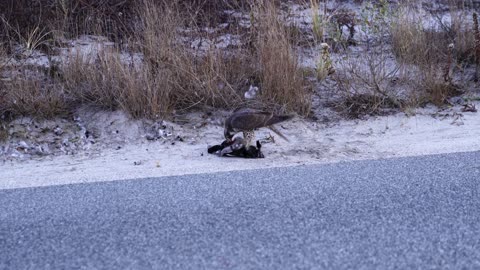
[
  {"x": 277, "y": 119},
  {"x": 274, "y": 129}
]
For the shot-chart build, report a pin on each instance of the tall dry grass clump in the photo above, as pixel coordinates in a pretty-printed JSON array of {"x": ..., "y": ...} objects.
[
  {"x": 154, "y": 70},
  {"x": 433, "y": 53},
  {"x": 197, "y": 77},
  {"x": 110, "y": 83},
  {"x": 476, "y": 33},
  {"x": 215, "y": 79},
  {"x": 2, "y": 86},
  {"x": 141, "y": 86},
  {"x": 169, "y": 76},
  {"x": 408, "y": 37},
  {"x": 28, "y": 91},
  {"x": 281, "y": 78},
  {"x": 24, "y": 94}
]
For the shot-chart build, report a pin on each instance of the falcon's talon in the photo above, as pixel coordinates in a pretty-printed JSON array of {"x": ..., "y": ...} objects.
[{"x": 237, "y": 149}]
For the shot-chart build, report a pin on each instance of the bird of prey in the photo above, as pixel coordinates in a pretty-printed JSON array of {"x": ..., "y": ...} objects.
[{"x": 246, "y": 120}]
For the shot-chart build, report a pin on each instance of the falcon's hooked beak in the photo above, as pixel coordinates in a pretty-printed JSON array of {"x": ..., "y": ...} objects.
[{"x": 228, "y": 137}]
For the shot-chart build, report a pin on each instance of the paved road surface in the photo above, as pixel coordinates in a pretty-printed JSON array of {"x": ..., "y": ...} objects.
[{"x": 407, "y": 213}]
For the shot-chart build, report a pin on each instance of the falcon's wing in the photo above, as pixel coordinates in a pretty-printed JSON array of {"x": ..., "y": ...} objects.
[{"x": 249, "y": 119}]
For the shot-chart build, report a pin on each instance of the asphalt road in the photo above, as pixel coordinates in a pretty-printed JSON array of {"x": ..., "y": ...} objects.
[{"x": 407, "y": 213}]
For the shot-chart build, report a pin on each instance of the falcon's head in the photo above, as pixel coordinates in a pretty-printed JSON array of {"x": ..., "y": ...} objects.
[{"x": 228, "y": 135}]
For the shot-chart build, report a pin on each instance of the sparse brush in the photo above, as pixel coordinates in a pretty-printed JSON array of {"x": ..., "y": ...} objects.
[
  {"x": 408, "y": 38},
  {"x": 171, "y": 76},
  {"x": 431, "y": 54},
  {"x": 110, "y": 83},
  {"x": 197, "y": 78},
  {"x": 447, "y": 77},
  {"x": 324, "y": 64},
  {"x": 3, "y": 132},
  {"x": 280, "y": 74},
  {"x": 214, "y": 79},
  {"x": 145, "y": 94},
  {"x": 93, "y": 81},
  {"x": 456, "y": 30},
  {"x": 360, "y": 105},
  {"x": 476, "y": 33},
  {"x": 27, "y": 94},
  {"x": 366, "y": 81},
  {"x": 369, "y": 75},
  {"x": 31, "y": 39},
  {"x": 434, "y": 77},
  {"x": 374, "y": 18},
  {"x": 436, "y": 90},
  {"x": 318, "y": 21}
]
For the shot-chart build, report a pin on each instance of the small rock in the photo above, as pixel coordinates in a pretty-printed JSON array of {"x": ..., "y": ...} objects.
[
  {"x": 136, "y": 163},
  {"x": 58, "y": 131},
  {"x": 23, "y": 145},
  {"x": 150, "y": 137},
  {"x": 457, "y": 100},
  {"x": 42, "y": 150},
  {"x": 469, "y": 108},
  {"x": 66, "y": 142}
]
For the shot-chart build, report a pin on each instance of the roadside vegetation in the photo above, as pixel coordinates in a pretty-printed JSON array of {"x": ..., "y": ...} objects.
[{"x": 165, "y": 56}]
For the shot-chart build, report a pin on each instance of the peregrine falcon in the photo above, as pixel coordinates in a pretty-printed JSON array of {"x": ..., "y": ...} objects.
[{"x": 246, "y": 120}]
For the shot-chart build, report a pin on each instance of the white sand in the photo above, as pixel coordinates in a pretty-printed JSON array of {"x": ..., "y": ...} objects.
[{"x": 310, "y": 143}]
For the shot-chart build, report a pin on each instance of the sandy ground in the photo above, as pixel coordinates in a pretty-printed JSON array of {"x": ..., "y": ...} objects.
[{"x": 429, "y": 131}]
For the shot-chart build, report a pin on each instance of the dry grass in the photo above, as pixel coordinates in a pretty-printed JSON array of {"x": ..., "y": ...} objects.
[
  {"x": 143, "y": 89},
  {"x": 28, "y": 92},
  {"x": 476, "y": 31},
  {"x": 414, "y": 44},
  {"x": 113, "y": 18},
  {"x": 281, "y": 78},
  {"x": 110, "y": 83},
  {"x": 170, "y": 77},
  {"x": 191, "y": 78},
  {"x": 436, "y": 54},
  {"x": 26, "y": 95}
]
